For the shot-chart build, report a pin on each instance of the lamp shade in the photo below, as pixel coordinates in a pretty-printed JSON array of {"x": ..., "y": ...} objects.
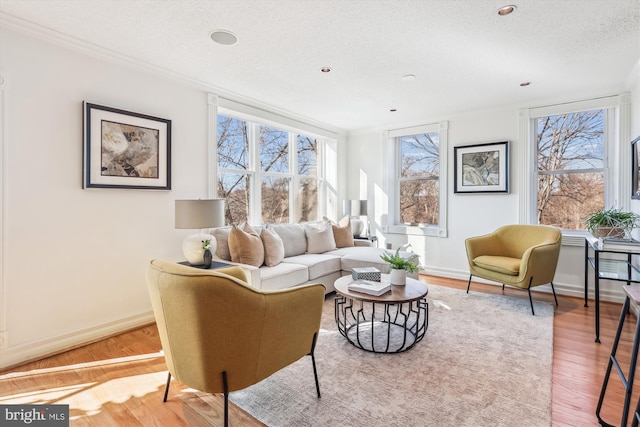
[{"x": 194, "y": 214}]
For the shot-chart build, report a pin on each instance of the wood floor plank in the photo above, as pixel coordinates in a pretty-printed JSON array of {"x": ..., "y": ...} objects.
[{"x": 120, "y": 380}]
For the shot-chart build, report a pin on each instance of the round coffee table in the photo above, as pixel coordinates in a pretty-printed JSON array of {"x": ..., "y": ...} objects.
[{"x": 390, "y": 323}]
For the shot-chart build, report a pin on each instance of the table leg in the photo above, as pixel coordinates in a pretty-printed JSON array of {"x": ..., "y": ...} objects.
[
  {"x": 597, "y": 294},
  {"x": 586, "y": 273}
]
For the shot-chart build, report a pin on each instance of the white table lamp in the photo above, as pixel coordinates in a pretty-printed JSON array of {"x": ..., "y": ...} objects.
[{"x": 199, "y": 214}]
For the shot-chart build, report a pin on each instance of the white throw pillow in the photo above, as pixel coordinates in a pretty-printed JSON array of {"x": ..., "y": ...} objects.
[{"x": 319, "y": 238}]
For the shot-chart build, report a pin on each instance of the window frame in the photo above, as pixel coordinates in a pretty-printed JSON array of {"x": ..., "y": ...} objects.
[
  {"x": 393, "y": 225},
  {"x": 255, "y": 118},
  {"x": 616, "y": 169}
]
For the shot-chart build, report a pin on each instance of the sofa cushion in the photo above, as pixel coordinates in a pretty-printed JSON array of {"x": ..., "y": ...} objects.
[
  {"x": 283, "y": 275},
  {"x": 273, "y": 247},
  {"x": 318, "y": 264},
  {"x": 293, "y": 238},
  {"x": 222, "y": 240},
  {"x": 319, "y": 237},
  {"x": 246, "y": 246},
  {"x": 499, "y": 264}
]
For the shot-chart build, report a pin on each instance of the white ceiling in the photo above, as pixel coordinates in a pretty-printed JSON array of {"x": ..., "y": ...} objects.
[{"x": 464, "y": 56}]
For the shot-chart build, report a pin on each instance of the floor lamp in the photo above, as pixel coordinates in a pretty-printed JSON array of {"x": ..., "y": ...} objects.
[{"x": 199, "y": 214}]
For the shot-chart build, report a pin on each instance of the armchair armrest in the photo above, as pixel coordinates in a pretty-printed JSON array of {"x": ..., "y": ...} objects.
[
  {"x": 482, "y": 245},
  {"x": 292, "y": 317},
  {"x": 540, "y": 262}
]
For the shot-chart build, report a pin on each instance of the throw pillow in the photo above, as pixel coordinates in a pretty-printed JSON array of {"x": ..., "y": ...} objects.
[
  {"x": 222, "y": 239},
  {"x": 246, "y": 246},
  {"x": 273, "y": 246},
  {"x": 342, "y": 233},
  {"x": 319, "y": 238}
]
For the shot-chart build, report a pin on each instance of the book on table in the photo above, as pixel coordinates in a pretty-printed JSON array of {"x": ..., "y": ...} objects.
[
  {"x": 370, "y": 287},
  {"x": 614, "y": 244}
]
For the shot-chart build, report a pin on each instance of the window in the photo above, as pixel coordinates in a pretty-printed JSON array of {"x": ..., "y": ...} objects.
[
  {"x": 418, "y": 178},
  {"x": 570, "y": 167},
  {"x": 260, "y": 178},
  {"x": 574, "y": 161},
  {"x": 417, "y": 194}
]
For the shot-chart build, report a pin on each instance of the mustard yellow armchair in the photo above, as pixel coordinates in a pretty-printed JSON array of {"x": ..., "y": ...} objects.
[
  {"x": 523, "y": 256},
  {"x": 219, "y": 334}
]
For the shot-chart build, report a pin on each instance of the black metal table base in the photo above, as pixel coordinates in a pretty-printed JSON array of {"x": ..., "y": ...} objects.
[
  {"x": 383, "y": 327},
  {"x": 627, "y": 380}
]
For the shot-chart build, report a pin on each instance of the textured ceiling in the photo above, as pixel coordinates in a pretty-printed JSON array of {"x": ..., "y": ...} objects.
[{"x": 464, "y": 55}]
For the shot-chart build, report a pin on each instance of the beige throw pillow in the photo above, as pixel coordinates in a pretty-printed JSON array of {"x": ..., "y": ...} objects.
[
  {"x": 319, "y": 238},
  {"x": 273, "y": 247},
  {"x": 246, "y": 246},
  {"x": 342, "y": 233}
]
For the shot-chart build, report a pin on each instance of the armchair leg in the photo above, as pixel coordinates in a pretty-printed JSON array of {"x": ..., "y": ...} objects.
[
  {"x": 530, "y": 300},
  {"x": 554, "y": 293},
  {"x": 226, "y": 398},
  {"x": 166, "y": 389},
  {"x": 313, "y": 362},
  {"x": 469, "y": 284}
]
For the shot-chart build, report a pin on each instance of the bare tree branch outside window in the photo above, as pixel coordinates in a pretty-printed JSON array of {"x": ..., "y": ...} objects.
[
  {"x": 570, "y": 167},
  {"x": 419, "y": 176},
  {"x": 274, "y": 178}
]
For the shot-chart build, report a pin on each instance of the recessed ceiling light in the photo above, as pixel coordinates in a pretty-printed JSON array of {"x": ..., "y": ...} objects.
[
  {"x": 325, "y": 69},
  {"x": 525, "y": 84},
  {"x": 506, "y": 10},
  {"x": 223, "y": 37},
  {"x": 408, "y": 77}
]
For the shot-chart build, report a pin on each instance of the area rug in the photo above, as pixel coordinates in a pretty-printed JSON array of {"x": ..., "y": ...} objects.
[{"x": 484, "y": 361}]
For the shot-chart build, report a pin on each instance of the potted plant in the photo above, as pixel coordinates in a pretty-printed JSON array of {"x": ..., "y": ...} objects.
[
  {"x": 612, "y": 222},
  {"x": 399, "y": 266}
]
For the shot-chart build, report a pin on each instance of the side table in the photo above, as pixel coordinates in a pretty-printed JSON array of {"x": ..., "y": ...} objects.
[
  {"x": 372, "y": 239},
  {"x": 214, "y": 265},
  {"x": 620, "y": 269}
]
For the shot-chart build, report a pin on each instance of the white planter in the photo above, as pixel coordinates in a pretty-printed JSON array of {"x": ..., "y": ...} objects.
[{"x": 398, "y": 277}]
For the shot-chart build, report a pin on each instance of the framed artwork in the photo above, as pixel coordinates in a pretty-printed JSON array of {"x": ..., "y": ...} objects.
[
  {"x": 482, "y": 168},
  {"x": 125, "y": 150},
  {"x": 635, "y": 168}
]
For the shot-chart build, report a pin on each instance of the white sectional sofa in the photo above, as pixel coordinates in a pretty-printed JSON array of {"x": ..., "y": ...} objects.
[{"x": 305, "y": 259}]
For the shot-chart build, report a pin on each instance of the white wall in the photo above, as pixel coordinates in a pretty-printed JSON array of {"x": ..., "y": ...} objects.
[
  {"x": 74, "y": 260},
  {"x": 471, "y": 214}
]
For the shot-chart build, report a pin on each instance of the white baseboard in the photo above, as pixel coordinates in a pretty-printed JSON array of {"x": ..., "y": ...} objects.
[
  {"x": 569, "y": 289},
  {"x": 24, "y": 353}
]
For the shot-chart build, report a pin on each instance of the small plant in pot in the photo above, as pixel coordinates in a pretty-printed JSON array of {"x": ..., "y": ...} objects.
[
  {"x": 613, "y": 223},
  {"x": 399, "y": 266}
]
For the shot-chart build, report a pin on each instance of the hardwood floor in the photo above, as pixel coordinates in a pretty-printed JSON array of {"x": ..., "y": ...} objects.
[{"x": 120, "y": 380}]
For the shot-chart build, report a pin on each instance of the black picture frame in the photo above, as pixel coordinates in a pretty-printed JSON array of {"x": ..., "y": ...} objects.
[
  {"x": 482, "y": 168},
  {"x": 123, "y": 149},
  {"x": 635, "y": 169}
]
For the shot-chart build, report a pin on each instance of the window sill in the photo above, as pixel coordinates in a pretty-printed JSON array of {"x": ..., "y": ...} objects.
[{"x": 415, "y": 230}]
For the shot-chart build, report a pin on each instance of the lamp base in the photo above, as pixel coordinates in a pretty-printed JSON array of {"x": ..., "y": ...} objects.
[
  {"x": 192, "y": 247},
  {"x": 357, "y": 226}
]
